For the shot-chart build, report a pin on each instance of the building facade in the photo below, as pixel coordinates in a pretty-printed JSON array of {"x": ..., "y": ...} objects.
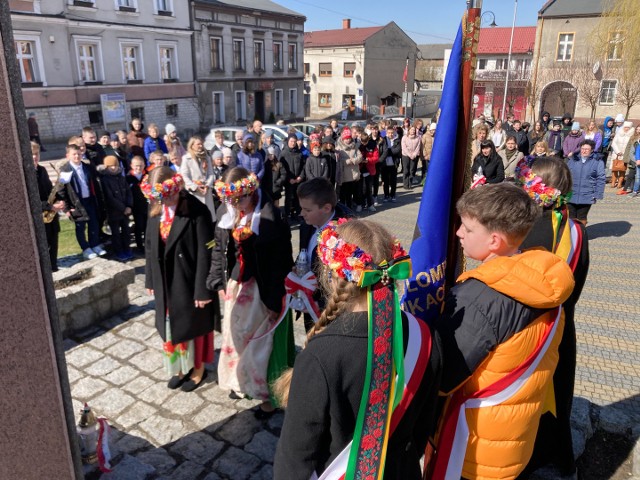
[
  {"x": 493, "y": 66},
  {"x": 248, "y": 61},
  {"x": 569, "y": 76},
  {"x": 351, "y": 70},
  {"x": 71, "y": 53},
  {"x": 431, "y": 65}
]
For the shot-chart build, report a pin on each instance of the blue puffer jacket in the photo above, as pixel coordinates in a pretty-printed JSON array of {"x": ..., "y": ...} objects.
[
  {"x": 588, "y": 179},
  {"x": 252, "y": 162}
]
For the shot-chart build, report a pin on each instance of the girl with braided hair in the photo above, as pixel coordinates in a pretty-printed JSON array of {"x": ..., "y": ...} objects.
[{"x": 361, "y": 399}]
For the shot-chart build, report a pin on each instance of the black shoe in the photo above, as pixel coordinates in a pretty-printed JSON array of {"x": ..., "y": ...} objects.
[
  {"x": 176, "y": 381},
  {"x": 190, "y": 385},
  {"x": 261, "y": 414},
  {"x": 234, "y": 396}
]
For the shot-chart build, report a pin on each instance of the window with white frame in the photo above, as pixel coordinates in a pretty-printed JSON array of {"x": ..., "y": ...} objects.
[
  {"x": 216, "y": 53},
  {"x": 616, "y": 44},
  {"x": 608, "y": 92},
  {"x": 29, "y": 58},
  {"x": 241, "y": 104},
  {"x": 132, "y": 61},
  {"x": 279, "y": 106},
  {"x": 293, "y": 101},
  {"x": 218, "y": 107},
  {"x": 277, "y": 55},
  {"x": 89, "y": 52},
  {"x": 127, "y": 5},
  {"x": 168, "y": 62},
  {"x": 565, "y": 47},
  {"x": 164, "y": 7},
  {"x": 482, "y": 63},
  {"x": 293, "y": 56},
  {"x": 501, "y": 64},
  {"x": 238, "y": 54},
  {"x": 258, "y": 55}
]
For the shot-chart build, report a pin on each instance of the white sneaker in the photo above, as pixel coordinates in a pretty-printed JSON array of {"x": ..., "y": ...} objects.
[
  {"x": 372, "y": 208},
  {"x": 99, "y": 251},
  {"x": 88, "y": 254},
  {"x": 358, "y": 208}
]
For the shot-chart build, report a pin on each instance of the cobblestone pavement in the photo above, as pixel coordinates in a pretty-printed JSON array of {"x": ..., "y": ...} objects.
[{"x": 160, "y": 433}]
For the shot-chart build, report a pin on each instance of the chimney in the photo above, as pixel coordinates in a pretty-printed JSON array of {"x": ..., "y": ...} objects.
[{"x": 346, "y": 24}]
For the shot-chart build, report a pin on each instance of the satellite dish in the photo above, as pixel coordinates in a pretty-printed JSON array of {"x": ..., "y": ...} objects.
[
  {"x": 597, "y": 71},
  {"x": 314, "y": 78},
  {"x": 358, "y": 79}
]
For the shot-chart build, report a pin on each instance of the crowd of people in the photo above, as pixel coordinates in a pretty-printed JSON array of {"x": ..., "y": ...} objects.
[{"x": 366, "y": 394}]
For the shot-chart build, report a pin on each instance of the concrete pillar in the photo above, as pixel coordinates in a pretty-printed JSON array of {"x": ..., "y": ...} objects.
[{"x": 37, "y": 439}]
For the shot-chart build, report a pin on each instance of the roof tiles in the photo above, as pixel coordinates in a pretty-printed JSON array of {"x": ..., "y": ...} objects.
[
  {"x": 496, "y": 40},
  {"x": 340, "y": 37}
]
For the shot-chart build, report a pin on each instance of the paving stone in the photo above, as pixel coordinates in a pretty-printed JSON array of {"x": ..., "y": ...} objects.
[
  {"x": 87, "y": 387},
  {"x": 197, "y": 447},
  {"x": 185, "y": 471},
  {"x": 215, "y": 394},
  {"x": 136, "y": 330},
  {"x": 102, "y": 367},
  {"x": 68, "y": 344},
  {"x": 149, "y": 360},
  {"x": 124, "y": 349},
  {"x": 156, "y": 393},
  {"x": 265, "y": 473},
  {"x": 73, "y": 374},
  {"x": 236, "y": 464},
  {"x": 240, "y": 429},
  {"x": 183, "y": 403},
  {"x": 159, "y": 458},
  {"x": 101, "y": 342},
  {"x": 138, "y": 384},
  {"x": 581, "y": 416},
  {"x": 212, "y": 417},
  {"x": 83, "y": 355},
  {"x": 615, "y": 420},
  {"x": 110, "y": 403},
  {"x": 132, "y": 441},
  {"x": 163, "y": 430},
  {"x": 122, "y": 375},
  {"x": 138, "y": 412},
  {"x": 129, "y": 468},
  {"x": 276, "y": 421},
  {"x": 263, "y": 445},
  {"x": 213, "y": 476}
]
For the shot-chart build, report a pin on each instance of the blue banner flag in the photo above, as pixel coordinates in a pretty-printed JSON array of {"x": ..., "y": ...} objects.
[{"x": 425, "y": 290}]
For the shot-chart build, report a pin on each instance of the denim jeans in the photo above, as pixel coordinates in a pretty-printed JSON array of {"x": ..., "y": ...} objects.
[{"x": 636, "y": 185}]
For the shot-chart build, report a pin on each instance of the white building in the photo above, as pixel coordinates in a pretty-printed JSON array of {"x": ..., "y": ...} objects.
[
  {"x": 70, "y": 52},
  {"x": 356, "y": 67},
  {"x": 248, "y": 61}
]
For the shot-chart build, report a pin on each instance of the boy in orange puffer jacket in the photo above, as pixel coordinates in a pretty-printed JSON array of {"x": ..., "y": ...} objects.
[{"x": 500, "y": 332}]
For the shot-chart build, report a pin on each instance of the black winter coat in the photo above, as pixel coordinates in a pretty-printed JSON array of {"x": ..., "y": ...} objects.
[
  {"x": 522, "y": 140},
  {"x": 324, "y": 400},
  {"x": 274, "y": 179},
  {"x": 293, "y": 162},
  {"x": 140, "y": 204},
  {"x": 72, "y": 191},
  {"x": 492, "y": 167},
  {"x": 117, "y": 194},
  {"x": 44, "y": 189},
  {"x": 316, "y": 167},
  {"x": 95, "y": 154},
  {"x": 177, "y": 271},
  {"x": 271, "y": 257}
]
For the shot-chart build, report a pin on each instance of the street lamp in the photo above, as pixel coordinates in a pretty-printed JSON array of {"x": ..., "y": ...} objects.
[
  {"x": 506, "y": 80},
  {"x": 493, "y": 16}
]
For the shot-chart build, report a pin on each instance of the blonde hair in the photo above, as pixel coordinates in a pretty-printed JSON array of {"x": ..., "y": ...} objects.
[{"x": 341, "y": 295}]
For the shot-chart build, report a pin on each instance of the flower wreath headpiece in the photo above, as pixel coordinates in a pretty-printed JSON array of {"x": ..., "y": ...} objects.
[
  {"x": 540, "y": 193},
  {"x": 158, "y": 191},
  {"x": 384, "y": 382},
  {"x": 240, "y": 188}
]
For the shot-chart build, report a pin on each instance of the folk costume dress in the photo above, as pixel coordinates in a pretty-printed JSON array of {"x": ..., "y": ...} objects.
[
  {"x": 177, "y": 260},
  {"x": 250, "y": 262}
]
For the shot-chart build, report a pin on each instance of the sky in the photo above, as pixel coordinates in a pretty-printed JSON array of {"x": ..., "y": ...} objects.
[{"x": 426, "y": 21}]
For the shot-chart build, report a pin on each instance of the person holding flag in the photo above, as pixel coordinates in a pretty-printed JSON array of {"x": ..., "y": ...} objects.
[{"x": 362, "y": 396}]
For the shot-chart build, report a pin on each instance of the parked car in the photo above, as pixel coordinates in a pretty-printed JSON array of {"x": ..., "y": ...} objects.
[
  {"x": 306, "y": 128},
  {"x": 228, "y": 135},
  {"x": 280, "y": 133}
]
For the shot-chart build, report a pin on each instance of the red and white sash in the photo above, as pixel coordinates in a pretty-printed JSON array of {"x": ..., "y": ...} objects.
[
  {"x": 416, "y": 359},
  {"x": 454, "y": 436}
]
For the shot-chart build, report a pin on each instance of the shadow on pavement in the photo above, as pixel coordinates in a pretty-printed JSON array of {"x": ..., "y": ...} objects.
[{"x": 608, "y": 229}]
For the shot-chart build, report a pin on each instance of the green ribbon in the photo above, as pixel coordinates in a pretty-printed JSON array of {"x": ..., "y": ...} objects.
[{"x": 398, "y": 269}]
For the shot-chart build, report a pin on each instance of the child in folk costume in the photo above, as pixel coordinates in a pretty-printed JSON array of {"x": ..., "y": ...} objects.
[
  {"x": 548, "y": 182},
  {"x": 500, "y": 330},
  {"x": 251, "y": 258},
  {"x": 362, "y": 395},
  {"x": 177, "y": 262}
]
